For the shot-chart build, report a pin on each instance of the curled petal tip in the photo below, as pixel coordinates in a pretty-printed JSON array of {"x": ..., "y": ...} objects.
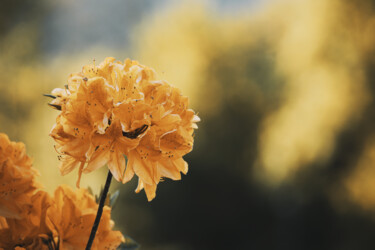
[
  {"x": 196, "y": 119},
  {"x": 149, "y": 199}
]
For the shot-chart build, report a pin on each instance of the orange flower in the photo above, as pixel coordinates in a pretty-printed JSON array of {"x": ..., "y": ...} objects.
[
  {"x": 73, "y": 214},
  {"x": 16, "y": 177},
  {"x": 121, "y": 109},
  {"x": 30, "y": 232}
]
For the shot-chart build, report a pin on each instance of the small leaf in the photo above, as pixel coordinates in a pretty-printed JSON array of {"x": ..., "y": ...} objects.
[
  {"x": 114, "y": 197},
  {"x": 126, "y": 163},
  {"x": 108, "y": 200},
  {"x": 129, "y": 244},
  {"x": 89, "y": 189},
  {"x": 97, "y": 197}
]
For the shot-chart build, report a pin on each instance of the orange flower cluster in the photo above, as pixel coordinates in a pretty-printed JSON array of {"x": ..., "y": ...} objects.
[
  {"x": 121, "y": 115},
  {"x": 31, "y": 219},
  {"x": 17, "y": 178}
]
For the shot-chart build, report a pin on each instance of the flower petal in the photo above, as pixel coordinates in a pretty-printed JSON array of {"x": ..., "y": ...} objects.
[
  {"x": 67, "y": 165},
  {"x": 142, "y": 169},
  {"x": 129, "y": 172},
  {"x": 117, "y": 165},
  {"x": 168, "y": 169},
  {"x": 99, "y": 158}
]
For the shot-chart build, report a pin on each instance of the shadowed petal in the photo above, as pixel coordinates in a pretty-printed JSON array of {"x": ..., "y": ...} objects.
[
  {"x": 67, "y": 165},
  {"x": 99, "y": 158},
  {"x": 117, "y": 165}
]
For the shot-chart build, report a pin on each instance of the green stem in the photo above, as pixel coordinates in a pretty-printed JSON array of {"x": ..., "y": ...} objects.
[{"x": 100, "y": 211}]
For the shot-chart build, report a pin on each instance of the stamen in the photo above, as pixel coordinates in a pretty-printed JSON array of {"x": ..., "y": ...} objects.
[
  {"x": 48, "y": 95},
  {"x": 58, "y": 107},
  {"x": 134, "y": 134}
]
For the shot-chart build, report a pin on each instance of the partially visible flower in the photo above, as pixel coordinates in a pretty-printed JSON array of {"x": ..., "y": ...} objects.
[
  {"x": 30, "y": 232},
  {"x": 121, "y": 109},
  {"x": 72, "y": 216},
  {"x": 31, "y": 219},
  {"x": 61, "y": 222},
  {"x": 17, "y": 178}
]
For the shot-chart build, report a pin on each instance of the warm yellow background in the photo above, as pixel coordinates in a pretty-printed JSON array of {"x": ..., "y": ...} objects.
[{"x": 284, "y": 90}]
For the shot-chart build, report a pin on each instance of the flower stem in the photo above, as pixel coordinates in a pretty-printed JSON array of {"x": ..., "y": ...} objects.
[{"x": 100, "y": 211}]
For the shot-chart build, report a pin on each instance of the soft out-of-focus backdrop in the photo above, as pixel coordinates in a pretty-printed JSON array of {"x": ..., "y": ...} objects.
[{"x": 284, "y": 157}]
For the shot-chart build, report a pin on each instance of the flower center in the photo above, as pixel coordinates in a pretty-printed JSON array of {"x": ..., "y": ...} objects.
[{"x": 134, "y": 134}]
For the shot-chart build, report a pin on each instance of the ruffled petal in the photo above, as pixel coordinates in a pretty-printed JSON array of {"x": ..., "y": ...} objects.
[
  {"x": 181, "y": 165},
  {"x": 169, "y": 170}
]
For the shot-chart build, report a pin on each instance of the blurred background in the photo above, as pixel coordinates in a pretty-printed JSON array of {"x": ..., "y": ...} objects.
[{"x": 284, "y": 157}]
